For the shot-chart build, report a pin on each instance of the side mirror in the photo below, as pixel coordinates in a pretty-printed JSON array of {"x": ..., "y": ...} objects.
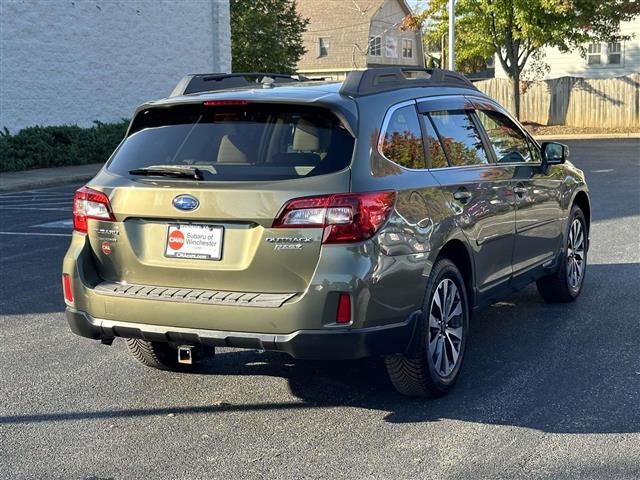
[{"x": 554, "y": 153}]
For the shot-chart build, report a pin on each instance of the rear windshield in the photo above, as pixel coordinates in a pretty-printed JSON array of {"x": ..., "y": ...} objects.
[{"x": 237, "y": 142}]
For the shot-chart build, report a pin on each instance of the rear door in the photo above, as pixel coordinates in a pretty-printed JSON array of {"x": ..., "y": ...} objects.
[
  {"x": 478, "y": 190},
  {"x": 537, "y": 193},
  {"x": 216, "y": 233}
]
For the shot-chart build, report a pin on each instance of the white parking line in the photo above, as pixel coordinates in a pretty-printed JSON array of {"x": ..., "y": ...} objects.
[
  {"x": 36, "y": 204},
  {"x": 31, "y": 234},
  {"x": 39, "y": 209},
  {"x": 604, "y": 170},
  {"x": 15, "y": 196},
  {"x": 66, "y": 224}
]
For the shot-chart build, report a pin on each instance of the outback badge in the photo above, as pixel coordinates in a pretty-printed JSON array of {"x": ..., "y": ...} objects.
[{"x": 288, "y": 243}]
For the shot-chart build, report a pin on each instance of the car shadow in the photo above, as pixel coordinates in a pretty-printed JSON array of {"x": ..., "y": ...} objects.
[{"x": 563, "y": 368}]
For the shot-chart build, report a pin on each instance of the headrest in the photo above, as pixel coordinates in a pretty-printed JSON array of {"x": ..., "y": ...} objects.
[
  {"x": 306, "y": 137},
  {"x": 229, "y": 151}
]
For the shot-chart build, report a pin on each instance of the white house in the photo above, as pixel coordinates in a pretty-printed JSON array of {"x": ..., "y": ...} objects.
[
  {"x": 603, "y": 60},
  {"x": 76, "y": 61}
]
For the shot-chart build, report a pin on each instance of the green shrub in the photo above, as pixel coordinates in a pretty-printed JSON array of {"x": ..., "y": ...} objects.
[{"x": 41, "y": 147}]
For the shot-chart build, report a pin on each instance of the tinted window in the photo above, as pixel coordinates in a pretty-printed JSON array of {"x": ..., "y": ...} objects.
[
  {"x": 246, "y": 142},
  {"x": 509, "y": 143},
  {"x": 435, "y": 153},
  {"x": 535, "y": 151},
  {"x": 460, "y": 137},
  {"x": 402, "y": 141}
]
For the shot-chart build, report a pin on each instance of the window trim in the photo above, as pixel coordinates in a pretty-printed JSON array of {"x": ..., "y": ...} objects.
[
  {"x": 410, "y": 40},
  {"x": 477, "y": 103},
  {"x": 619, "y": 52},
  {"x": 594, "y": 54},
  {"x": 488, "y": 104},
  {"x": 455, "y": 102},
  {"x": 604, "y": 55},
  {"x": 424, "y": 118},
  {"x": 371, "y": 38},
  {"x": 383, "y": 133},
  {"x": 326, "y": 47}
]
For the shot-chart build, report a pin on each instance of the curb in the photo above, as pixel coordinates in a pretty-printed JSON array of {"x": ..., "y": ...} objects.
[
  {"x": 46, "y": 177},
  {"x": 587, "y": 136},
  {"x": 45, "y": 182}
]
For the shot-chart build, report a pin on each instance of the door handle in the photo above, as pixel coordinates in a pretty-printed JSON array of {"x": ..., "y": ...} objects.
[
  {"x": 520, "y": 189},
  {"x": 462, "y": 195}
]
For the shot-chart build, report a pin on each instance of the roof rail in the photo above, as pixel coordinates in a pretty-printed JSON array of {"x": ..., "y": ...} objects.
[
  {"x": 375, "y": 80},
  {"x": 209, "y": 82}
]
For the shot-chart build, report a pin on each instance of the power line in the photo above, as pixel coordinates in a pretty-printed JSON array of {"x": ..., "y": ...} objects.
[{"x": 353, "y": 25}]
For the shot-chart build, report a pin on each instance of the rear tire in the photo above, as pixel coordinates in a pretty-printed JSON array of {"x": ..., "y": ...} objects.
[
  {"x": 566, "y": 283},
  {"x": 427, "y": 371},
  {"x": 162, "y": 355}
]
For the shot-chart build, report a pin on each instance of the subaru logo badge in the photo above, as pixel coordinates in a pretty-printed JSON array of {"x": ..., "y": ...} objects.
[{"x": 185, "y": 202}]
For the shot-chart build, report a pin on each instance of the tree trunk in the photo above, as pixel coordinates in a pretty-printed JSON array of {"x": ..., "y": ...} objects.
[{"x": 515, "y": 92}]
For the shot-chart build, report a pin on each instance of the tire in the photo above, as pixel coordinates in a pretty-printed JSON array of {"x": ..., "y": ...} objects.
[
  {"x": 419, "y": 373},
  {"x": 162, "y": 355},
  {"x": 563, "y": 286}
]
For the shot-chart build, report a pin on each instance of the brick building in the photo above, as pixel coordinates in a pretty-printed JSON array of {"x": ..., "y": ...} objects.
[{"x": 75, "y": 61}]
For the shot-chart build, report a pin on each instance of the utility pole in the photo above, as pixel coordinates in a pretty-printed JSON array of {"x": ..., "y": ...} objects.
[{"x": 452, "y": 33}]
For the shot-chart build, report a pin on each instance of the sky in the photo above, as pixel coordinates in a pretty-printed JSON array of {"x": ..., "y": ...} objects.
[{"x": 417, "y": 4}]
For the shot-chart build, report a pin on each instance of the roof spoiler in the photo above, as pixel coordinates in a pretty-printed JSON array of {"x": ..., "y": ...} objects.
[
  {"x": 375, "y": 80},
  {"x": 211, "y": 82}
]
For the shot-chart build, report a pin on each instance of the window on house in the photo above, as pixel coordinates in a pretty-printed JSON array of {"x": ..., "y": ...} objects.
[
  {"x": 614, "y": 51},
  {"x": 407, "y": 48},
  {"x": 375, "y": 46},
  {"x": 323, "y": 47},
  {"x": 594, "y": 51}
]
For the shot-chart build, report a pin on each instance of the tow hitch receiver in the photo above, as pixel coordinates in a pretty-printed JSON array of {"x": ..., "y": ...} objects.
[{"x": 184, "y": 354}]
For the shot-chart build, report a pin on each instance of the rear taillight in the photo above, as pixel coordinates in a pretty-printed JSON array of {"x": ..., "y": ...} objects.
[
  {"x": 345, "y": 217},
  {"x": 88, "y": 203}
]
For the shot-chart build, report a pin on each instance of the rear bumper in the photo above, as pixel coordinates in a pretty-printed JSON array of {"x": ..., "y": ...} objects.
[{"x": 302, "y": 344}]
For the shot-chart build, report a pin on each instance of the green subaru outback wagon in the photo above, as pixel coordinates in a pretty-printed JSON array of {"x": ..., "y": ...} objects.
[{"x": 324, "y": 220}]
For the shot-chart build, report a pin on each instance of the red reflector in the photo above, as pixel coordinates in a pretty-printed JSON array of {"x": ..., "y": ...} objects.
[
  {"x": 344, "y": 309},
  {"x": 68, "y": 294},
  {"x": 216, "y": 103}
]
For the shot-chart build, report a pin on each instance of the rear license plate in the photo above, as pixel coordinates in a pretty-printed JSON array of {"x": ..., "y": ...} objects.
[{"x": 201, "y": 242}]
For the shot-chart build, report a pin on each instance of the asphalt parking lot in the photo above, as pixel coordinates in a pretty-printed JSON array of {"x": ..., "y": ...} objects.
[{"x": 548, "y": 391}]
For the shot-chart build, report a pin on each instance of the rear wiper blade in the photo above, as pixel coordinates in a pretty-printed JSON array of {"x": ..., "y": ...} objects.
[{"x": 175, "y": 171}]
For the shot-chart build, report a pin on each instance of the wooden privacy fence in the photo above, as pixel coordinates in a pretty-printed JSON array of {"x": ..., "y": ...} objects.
[{"x": 577, "y": 102}]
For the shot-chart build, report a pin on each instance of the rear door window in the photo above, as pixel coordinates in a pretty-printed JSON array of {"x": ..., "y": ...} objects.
[
  {"x": 402, "y": 139},
  {"x": 435, "y": 152},
  {"x": 237, "y": 142},
  {"x": 508, "y": 142},
  {"x": 460, "y": 137}
]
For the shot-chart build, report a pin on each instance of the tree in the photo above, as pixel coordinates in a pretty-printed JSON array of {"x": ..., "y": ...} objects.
[
  {"x": 516, "y": 30},
  {"x": 266, "y": 36}
]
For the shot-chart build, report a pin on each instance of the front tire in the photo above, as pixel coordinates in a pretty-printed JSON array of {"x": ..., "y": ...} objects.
[
  {"x": 161, "y": 355},
  {"x": 433, "y": 366},
  {"x": 566, "y": 284}
]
